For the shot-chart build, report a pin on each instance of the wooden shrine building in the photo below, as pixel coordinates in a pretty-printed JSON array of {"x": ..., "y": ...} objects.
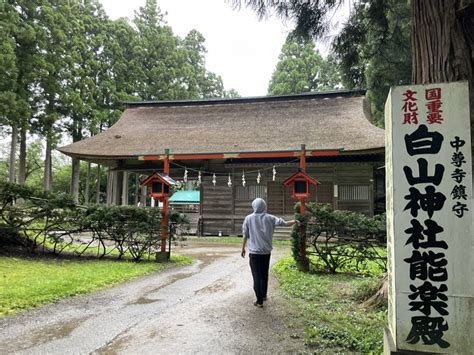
[{"x": 258, "y": 140}]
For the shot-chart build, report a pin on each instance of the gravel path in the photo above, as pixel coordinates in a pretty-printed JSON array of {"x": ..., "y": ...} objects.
[{"x": 205, "y": 308}]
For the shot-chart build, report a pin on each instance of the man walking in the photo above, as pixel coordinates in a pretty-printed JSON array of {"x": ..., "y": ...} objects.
[{"x": 257, "y": 230}]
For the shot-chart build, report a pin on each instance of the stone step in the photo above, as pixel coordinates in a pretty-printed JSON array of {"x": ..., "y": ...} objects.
[{"x": 282, "y": 233}]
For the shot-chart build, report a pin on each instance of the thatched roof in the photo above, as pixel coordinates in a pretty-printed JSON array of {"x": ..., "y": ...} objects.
[{"x": 335, "y": 120}]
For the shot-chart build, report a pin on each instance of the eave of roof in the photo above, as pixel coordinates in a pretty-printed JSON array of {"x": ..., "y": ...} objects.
[{"x": 180, "y": 197}]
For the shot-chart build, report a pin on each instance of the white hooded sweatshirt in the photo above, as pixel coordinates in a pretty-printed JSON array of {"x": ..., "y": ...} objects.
[{"x": 258, "y": 228}]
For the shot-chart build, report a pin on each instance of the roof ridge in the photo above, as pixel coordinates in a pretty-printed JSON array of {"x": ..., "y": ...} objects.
[{"x": 252, "y": 99}]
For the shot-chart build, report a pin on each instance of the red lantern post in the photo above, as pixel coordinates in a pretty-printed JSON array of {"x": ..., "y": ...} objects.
[
  {"x": 164, "y": 212},
  {"x": 301, "y": 182},
  {"x": 304, "y": 259},
  {"x": 160, "y": 184}
]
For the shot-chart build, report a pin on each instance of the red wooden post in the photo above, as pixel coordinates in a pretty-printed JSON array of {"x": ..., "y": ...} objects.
[
  {"x": 304, "y": 261},
  {"x": 303, "y": 158},
  {"x": 164, "y": 212},
  {"x": 302, "y": 233}
]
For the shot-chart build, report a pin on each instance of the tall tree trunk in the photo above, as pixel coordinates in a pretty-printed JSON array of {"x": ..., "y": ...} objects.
[
  {"x": 12, "y": 169},
  {"x": 97, "y": 186},
  {"x": 22, "y": 158},
  {"x": 48, "y": 169},
  {"x": 75, "y": 175},
  {"x": 440, "y": 46},
  {"x": 88, "y": 178},
  {"x": 443, "y": 44},
  {"x": 76, "y": 163}
]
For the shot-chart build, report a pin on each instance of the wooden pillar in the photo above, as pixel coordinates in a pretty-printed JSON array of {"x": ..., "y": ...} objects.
[
  {"x": 117, "y": 188},
  {"x": 336, "y": 189},
  {"x": 88, "y": 178},
  {"x": 235, "y": 230},
  {"x": 110, "y": 185},
  {"x": 136, "y": 192},
  {"x": 97, "y": 187},
  {"x": 371, "y": 193},
  {"x": 143, "y": 196},
  {"x": 164, "y": 225},
  {"x": 124, "y": 201},
  {"x": 200, "y": 220}
]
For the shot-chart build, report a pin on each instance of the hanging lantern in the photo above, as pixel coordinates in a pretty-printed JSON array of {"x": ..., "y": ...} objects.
[
  {"x": 214, "y": 179},
  {"x": 199, "y": 177},
  {"x": 229, "y": 182},
  {"x": 185, "y": 177},
  {"x": 160, "y": 185},
  {"x": 259, "y": 177},
  {"x": 301, "y": 185},
  {"x": 274, "y": 173},
  {"x": 243, "y": 178}
]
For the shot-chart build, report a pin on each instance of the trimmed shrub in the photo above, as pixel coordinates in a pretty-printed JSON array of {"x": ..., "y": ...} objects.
[
  {"x": 28, "y": 214},
  {"x": 54, "y": 223},
  {"x": 342, "y": 240}
]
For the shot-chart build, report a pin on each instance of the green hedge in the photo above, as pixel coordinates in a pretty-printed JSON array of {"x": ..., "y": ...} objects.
[
  {"x": 342, "y": 239},
  {"x": 52, "y": 222}
]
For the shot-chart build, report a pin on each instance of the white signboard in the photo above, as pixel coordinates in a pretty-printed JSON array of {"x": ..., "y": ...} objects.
[{"x": 430, "y": 218}]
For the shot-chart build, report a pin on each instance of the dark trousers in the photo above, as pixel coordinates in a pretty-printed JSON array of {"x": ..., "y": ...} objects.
[{"x": 259, "y": 264}]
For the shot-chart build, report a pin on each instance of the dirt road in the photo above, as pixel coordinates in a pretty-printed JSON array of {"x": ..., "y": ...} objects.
[{"x": 205, "y": 308}]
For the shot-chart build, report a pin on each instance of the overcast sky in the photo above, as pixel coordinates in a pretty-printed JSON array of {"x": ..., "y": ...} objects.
[{"x": 242, "y": 49}]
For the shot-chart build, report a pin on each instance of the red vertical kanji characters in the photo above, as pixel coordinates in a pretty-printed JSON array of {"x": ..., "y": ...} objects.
[
  {"x": 433, "y": 106},
  {"x": 410, "y": 108}
]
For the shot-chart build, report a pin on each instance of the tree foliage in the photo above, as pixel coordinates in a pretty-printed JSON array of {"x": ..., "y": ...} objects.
[
  {"x": 301, "y": 68},
  {"x": 66, "y": 68},
  {"x": 19, "y": 61},
  {"x": 373, "y": 50},
  {"x": 8, "y": 67},
  {"x": 311, "y": 18}
]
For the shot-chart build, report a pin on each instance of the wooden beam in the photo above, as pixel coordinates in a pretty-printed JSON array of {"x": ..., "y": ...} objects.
[
  {"x": 242, "y": 155},
  {"x": 151, "y": 157},
  {"x": 197, "y": 156},
  {"x": 267, "y": 155},
  {"x": 324, "y": 153}
]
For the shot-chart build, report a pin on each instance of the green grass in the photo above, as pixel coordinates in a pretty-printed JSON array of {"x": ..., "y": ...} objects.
[
  {"x": 27, "y": 283},
  {"x": 329, "y": 305}
]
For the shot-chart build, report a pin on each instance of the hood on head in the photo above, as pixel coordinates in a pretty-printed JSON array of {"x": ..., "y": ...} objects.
[{"x": 259, "y": 205}]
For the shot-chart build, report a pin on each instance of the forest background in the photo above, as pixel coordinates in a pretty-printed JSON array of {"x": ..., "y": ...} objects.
[{"x": 66, "y": 69}]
